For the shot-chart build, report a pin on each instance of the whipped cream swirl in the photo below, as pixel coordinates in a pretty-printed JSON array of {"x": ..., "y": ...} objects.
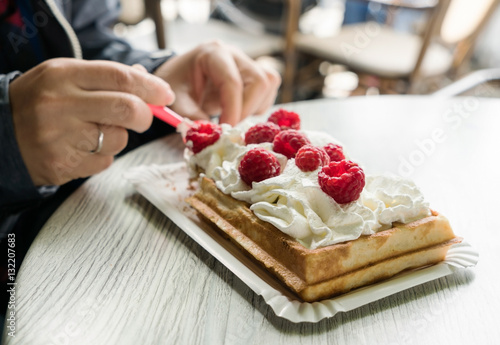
[{"x": 294, "y": 202}]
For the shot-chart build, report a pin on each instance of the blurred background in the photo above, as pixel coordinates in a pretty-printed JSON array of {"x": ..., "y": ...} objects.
[{"x": 334, "y": 48}]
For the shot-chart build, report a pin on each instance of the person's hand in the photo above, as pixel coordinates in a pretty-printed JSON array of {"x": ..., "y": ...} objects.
[
  {"x": 60, "y": 107},
  {"x": 215, "y": 78}
]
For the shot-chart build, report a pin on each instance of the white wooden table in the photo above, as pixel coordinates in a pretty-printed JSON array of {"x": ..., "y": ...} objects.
[{"x": 109, "y": 268}]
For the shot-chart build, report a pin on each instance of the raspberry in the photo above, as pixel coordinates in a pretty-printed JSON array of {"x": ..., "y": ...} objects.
[
  {"x": 334, "y": 151},
  {"x": 261, "y": 133},
  {"x": 343, "y": 181},
  {"x": 285, "y": 119},
  {"x": 310, "y": 157},
  {"x": 258, "y": 164},
  {"x": 202, "y": 134},
  {"x": 288, "y": 142}
]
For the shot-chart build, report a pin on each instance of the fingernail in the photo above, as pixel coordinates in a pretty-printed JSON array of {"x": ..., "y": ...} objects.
[{"x": 171, "y": 96}]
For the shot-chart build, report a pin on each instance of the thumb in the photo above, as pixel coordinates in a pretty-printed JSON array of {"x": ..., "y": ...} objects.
[
  {"x": 187, "y": 107},
  {"x": 171, "y": 94}
]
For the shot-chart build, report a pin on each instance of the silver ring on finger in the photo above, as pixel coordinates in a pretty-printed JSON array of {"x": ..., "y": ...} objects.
[{"x": 100, "y": 141}]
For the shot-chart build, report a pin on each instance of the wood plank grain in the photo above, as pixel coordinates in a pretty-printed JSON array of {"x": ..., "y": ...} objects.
[{"x": 109, "y": 268}]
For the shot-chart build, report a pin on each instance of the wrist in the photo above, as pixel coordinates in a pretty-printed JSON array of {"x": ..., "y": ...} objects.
[{"x": 4, "y": 86}]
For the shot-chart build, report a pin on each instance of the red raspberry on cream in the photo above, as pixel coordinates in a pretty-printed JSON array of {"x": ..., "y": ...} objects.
[
  {"x": 202, "y": 134},
  {"x": 285, "y": 119},
  {"x": 257, "y": 165},
  {"x": 310, "y": 157},
  {"x": 261, "y": 133},
  {"x": 343, "y": 181},
  {"x": 288, "y": 142},
  {"x": 334, "y": 151}
]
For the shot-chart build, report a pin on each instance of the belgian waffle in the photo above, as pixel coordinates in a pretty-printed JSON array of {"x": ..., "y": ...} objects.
[{"x": 316, "y": 274}]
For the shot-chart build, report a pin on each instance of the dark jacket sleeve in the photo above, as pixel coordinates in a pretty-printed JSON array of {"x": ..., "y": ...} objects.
[
  {"x": 17, "y": 190},
  {"x": 92, "y": 21}
]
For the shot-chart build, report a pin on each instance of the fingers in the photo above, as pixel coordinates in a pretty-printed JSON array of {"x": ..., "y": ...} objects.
[
  {"x": 74, "y": 157},
  {"x": 112, "y": 76},
  {"x": 92, "y": 165},
  {"x": 114, "y": 140},
  {"x": 58, "y": 105},
  {"x": 140, "y": 67},
  {"x": 103, "y": 91},
  {"x": 220, "y": 67},
  {"x": 243, "y": 86},
  {"x": 189, "y": 107},
  {"x": 260, "y": 84},
  {"x": 254, "y": 93},
  {"x": 215, "y": 78},
  {"x": 255, "y": 81},
  {"x": 113, "y": 109},
  {"x": 78, "y": 166},
  {"x": 275, "y": 81},
  {"x": 71, "y": 158}
]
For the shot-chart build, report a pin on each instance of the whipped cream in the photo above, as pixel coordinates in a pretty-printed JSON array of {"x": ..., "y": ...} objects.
[
  {"x": 394, "y": 199},
  {"x": 294, "y": 202},
  {"x": 227, "y": 148}
]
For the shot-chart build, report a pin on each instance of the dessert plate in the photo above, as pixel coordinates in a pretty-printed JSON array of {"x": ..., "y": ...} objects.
[{"x": 167, "y": 186}]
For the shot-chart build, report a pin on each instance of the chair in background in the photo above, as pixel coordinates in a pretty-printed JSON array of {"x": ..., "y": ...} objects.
[
  {"x": 189, "y": 23},
  {"x": 154, "y": 11},
  {"x": 464, "y": 33},
  {"x": 379, "y": 50},
  {"x": 135, "y": 11}
]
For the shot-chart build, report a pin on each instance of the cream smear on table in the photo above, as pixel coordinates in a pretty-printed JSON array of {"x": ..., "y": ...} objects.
[{"x": 294, "y": 202}]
